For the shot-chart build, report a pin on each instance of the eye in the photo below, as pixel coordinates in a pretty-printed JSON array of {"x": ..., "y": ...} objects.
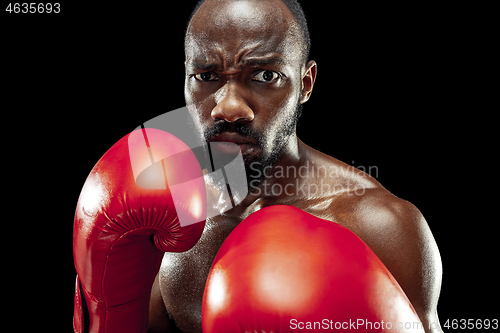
[
  {"x": 206, "y": 76},
  {"x": 266, "y": 76}
]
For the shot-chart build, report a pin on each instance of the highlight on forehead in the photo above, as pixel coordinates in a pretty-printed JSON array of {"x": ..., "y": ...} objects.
[{"x": 233, "y": 16}]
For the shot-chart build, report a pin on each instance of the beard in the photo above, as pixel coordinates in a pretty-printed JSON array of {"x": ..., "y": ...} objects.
[{"x": 270, "y": 143}]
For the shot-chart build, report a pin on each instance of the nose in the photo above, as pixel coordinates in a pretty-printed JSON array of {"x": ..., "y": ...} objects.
[{"x": 230, "y": 104}]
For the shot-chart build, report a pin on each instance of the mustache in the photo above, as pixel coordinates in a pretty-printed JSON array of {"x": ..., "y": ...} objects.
[{"x": 223, "y": 126}]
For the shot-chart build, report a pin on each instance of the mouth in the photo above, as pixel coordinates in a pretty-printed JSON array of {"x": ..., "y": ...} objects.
[
  {"x": 232, "y": 143},
  {"x": 232, "y": 137}
]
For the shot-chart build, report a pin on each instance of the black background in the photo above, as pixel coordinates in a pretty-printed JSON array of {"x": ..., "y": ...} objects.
[{"x": 405, "y": 89}]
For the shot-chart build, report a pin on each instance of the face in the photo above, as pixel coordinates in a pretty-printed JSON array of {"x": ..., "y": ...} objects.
[{"x": 245, "y": 76}]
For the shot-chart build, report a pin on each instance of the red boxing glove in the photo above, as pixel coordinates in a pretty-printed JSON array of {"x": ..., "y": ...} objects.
[
  {"x": 284, "y": 270},
  {"x": 122, "y": 229}
]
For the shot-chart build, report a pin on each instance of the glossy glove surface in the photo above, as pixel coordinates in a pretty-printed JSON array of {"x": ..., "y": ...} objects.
[
  {"x": 121, "y": 229},
  {"x": 282, "y": 268}
]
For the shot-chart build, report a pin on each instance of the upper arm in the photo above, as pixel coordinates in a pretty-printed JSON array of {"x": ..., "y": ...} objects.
[
  {"x": 158, "y": 316},
  {"x": 399, "y": 235}
]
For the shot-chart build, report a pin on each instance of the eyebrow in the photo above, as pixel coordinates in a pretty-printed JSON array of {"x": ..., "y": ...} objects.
[
  {"x": 203, "y": 66},
  {"x": 264, "y": 61},
  {"x": 251, "y": 62}
]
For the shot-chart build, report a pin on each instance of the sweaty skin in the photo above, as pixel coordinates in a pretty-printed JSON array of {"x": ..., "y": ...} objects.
[{"x": 229, "y": 46}]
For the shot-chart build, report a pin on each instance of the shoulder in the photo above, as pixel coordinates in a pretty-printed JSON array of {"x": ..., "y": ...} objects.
[
  {"x": 377, "y": 206},
  {"x": 392, "y": 227},
  {"x": 359, "y": 202},
  {"x": 383, "y": 221}
]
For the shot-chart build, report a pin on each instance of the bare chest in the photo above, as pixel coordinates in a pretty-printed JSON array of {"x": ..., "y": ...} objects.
[{"x": 183, "y": 275}]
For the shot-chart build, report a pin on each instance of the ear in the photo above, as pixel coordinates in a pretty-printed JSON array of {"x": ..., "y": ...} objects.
[{"x": 308, "y": 81}]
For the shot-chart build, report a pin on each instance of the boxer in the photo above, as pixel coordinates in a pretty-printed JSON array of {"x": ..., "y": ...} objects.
[{"x": 247, "y": 75}]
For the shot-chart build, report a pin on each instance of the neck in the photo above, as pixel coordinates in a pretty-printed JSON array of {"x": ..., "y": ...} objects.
[{"x": 277, "y": 177}]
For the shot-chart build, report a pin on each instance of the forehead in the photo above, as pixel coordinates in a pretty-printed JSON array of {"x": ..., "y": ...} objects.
[{"x": 226, "y": 30}]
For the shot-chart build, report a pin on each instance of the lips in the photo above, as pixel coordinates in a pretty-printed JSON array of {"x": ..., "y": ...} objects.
[
  {"x": 232, "y": 144},
  {"x": 232, "y": 137}
]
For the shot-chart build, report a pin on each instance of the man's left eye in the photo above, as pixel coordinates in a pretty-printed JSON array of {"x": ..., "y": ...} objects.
[{"x": 266, "y": 76}]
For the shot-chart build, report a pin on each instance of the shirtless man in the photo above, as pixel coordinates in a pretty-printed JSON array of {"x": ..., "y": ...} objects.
[{"x": 247, "y": 75}]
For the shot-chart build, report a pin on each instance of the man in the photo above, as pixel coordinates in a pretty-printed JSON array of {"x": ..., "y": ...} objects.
[{"x": 247, "y": 75}]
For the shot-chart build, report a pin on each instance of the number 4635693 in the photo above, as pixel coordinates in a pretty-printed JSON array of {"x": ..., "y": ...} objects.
[
  {"x": 471, "y": 324},
  {"x": 33, "y": 7}
]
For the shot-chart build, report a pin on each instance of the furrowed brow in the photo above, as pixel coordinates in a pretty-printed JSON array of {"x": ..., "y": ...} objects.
[
  {"x": 250, "y": 62},
  {"x": 256, "y": 62},
  {"x": 203, "y": 66}
]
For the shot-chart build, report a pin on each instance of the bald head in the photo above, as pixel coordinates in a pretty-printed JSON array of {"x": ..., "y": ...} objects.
[{"x": 227, "y": 17}]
